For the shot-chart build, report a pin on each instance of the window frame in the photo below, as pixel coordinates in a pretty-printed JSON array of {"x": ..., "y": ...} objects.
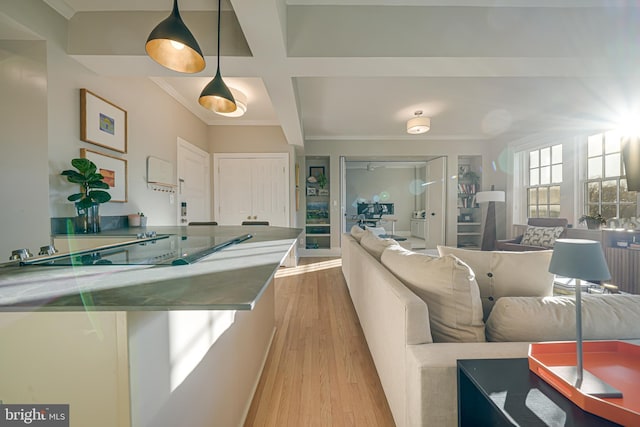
[
  {"x": 547, "y": 187},
  {"x": 619, "y": 180}
]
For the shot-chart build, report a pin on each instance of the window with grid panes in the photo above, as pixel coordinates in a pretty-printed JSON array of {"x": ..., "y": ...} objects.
[
  {"x": 545, "y": 177},
  {"x": 606, "y": 190}
]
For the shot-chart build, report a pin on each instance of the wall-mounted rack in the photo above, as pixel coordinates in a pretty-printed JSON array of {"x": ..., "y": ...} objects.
[
  {"x": 160, "y": 175},
  {"x": 161, "y": 187}
]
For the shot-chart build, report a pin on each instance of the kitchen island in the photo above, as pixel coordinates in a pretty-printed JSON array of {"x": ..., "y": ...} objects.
[{"x": 144, "y": 345}]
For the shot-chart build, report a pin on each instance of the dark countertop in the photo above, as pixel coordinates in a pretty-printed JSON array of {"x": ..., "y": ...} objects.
[{"x": 232, "y": 279}]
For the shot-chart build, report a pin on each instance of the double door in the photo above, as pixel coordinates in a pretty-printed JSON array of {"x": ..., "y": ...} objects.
[{"x": 251, "y": 188}]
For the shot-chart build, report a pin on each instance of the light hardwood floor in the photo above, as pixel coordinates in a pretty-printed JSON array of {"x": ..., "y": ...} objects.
[{"x": 319, "y": 371}]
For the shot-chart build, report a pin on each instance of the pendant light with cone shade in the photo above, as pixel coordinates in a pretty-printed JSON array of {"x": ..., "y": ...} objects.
[
  {"x": 172, "y": 45},
  {"x": 216, "y": 96}
]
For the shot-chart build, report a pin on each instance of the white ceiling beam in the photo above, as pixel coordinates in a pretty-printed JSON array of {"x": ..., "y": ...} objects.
[{"x": 263, "y": 23}]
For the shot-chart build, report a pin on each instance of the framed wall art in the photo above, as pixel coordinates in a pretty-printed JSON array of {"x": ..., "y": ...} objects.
[
  {"x": 316, "y": 171},
  {"x": 114, "y": 171},
  {"x": 102, "y": 122}
]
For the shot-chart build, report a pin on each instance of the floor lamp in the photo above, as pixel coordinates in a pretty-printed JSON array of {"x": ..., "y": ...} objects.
[
  {"x": 581, "y": 260},
  {"x": 489, "y": 235}
]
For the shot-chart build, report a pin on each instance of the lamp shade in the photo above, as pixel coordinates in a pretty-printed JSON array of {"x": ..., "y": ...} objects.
[
  {"x": 579, "y": 259},
  {"x": 241, "y": 104},
  {"x": 489, "y": 196},
  {"x": 418, "y": 125},
  {"x": 217, "y": 97},
  {"x": 631, "y": 159},
  {"x": 172, "y": 45}
]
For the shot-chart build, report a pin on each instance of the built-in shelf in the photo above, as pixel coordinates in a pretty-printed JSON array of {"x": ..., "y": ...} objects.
[
  {"x": 317, "y": 222},
  {"x": 469, "y": 226}
]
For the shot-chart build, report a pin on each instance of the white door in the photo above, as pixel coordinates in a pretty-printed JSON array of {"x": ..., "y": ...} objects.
[
  {"x": 194, "y": 187},
  {"x": 233, "y": 191},
  {"x": 435, "y": 203},
  {"x": 270, "y": 199},
  {"x": 251, "y": 187}
]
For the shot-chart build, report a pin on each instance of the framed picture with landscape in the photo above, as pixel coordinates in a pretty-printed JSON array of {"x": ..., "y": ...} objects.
[
  {"x": 102, "y": 122},
  {"x": 114, "y": 170}
]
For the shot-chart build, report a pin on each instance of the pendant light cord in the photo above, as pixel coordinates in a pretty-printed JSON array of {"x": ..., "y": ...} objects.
[{"x": 219, "y": 13}]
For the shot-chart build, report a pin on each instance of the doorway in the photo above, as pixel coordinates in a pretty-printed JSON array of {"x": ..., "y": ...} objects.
[
  {"x": 406, "y": 198},
  {"x": 194, "y": 188}
]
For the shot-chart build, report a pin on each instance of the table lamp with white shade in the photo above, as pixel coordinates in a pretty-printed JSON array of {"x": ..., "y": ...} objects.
[
  {"x": 489, "y": 234},
  {"x": 581, "y": 260}
]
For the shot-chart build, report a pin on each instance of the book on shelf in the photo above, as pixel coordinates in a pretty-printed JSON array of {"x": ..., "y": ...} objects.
[{"x": 467, "y": 188}]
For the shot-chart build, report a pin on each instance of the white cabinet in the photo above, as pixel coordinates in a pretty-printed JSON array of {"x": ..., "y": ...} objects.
[
  {"x": 418, "y": 228},
  {"x": 251, "y": 187}
]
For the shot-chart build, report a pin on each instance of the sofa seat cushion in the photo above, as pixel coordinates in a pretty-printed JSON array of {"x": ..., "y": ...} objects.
[
  {"x": 554, "y": 318},
  {"x": 500, "y": 274},
  {"x": 374, "y": 244},
  {"x": 541, "y": 236},
  {"x": 448, "y": 288},
  {"x": 357, "y": 232}
]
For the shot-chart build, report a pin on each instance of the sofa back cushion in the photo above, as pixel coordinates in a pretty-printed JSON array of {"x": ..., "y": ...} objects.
[
  {"x": 357, "y": 232},
  {"x": 554, "y": 318},
  {"x": 375, "y": 245},
  {"x": 448, "y": 288},
  {"x": 378, "y": 231},
  {"x": 500, "y": 274}
]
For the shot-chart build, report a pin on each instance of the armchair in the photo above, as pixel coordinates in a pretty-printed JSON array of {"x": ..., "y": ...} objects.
[{"x": 517, "y": 244}]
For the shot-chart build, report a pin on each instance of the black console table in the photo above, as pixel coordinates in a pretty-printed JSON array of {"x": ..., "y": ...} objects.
[{"x": 504, "y": 392}]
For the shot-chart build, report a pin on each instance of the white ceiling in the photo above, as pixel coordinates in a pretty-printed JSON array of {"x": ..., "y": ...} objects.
[{"x": 358, "y": 69}]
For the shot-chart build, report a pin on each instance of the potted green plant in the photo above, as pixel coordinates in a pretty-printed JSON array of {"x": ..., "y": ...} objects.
[
  {"x": 91, "y": 194},
  {"x": 322, "y": 180},
  {"x": 593, "y": 221}
]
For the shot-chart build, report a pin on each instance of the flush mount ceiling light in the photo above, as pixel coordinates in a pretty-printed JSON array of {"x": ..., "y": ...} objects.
[
  {"x": 172, "y": 45},
  {"x": 418, "y": 124},
  {"x": 216, "y": 96},
  {"x": 241, "y": 103}
]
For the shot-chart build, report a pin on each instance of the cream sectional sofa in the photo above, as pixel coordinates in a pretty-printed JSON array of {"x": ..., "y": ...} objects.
[{"x": 419, "y": 376}]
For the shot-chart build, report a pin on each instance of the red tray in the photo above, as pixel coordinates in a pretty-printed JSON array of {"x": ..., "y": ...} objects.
[{"x": 616, "y": 362}]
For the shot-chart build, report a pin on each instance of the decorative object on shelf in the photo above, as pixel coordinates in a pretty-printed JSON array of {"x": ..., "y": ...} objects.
[
  {"x": 114, "y": 172},
  {"x": 172, "y": 45},
  {"x": 322, "y": 180},
  {"x": 418, "y": 124},
  {"x": 471, "y": 177},
  {"x": 311, "y": 191},
  {"x": 91, "y": 194},
  {"x": 631, "y": 159},
  {"x": 489, "y": 235},
  {"x": 593, "y": 221},
  {"x": 323, "y": 192},
  {"x": 102, "y": 122},
  {"x": 315, "y": 171},
  {"x": 581, "y": 260},
  {"x": 216, "y": 96}
]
